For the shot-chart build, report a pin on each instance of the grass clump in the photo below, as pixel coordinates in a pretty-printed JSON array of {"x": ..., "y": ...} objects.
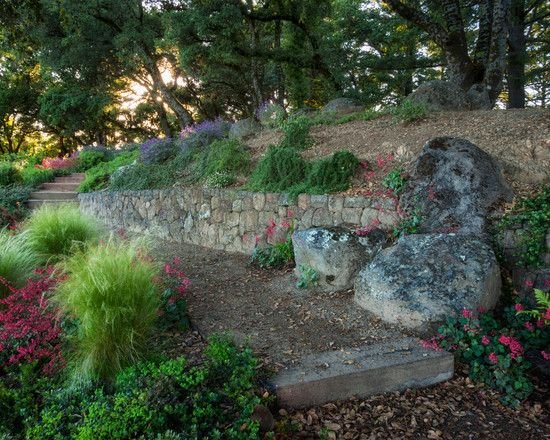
[
  {"x": 17, "y": 261},
  {"x": 56, "y": 232},
  {"x": 12, "y": 208},
  {"x": 279, "y": 170},
  {"x": 229, "y": 156},
  {"x": 111, "y": 291},
  {"x": 409, "y": 111}
]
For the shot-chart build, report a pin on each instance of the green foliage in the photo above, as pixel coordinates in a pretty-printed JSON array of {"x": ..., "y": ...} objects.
[
  {"x": 541, "y": 311},
  {"x": 161, "y": 398},
  {"x": 54, "y": 232},
  {"x": 296, "y": 133},
  {"x": 220, "y": 179},
  {"x": 395, "y": 180},
  {"x": 90, "y": 158},
  {"x": 141, "y": 176},
  {"x": 8, "y": 174},
  {"x": 534, "y": 215},
  {"x": 332, "y": 174},
  {"x": 276, "y": 256},
  {"x": 309, "y": 277},
  {"x": 409, "y": 224},
  {"x": 12, "y": 206},
  {"x": 330, "y": 118},
  {"x": 34, "y": 177},
  {"x": 279, "y": 170},
  {"x": 111, "y": 292},
  {"x": 226, "y": 156},
  {"x": 17, "y": 260},
  {"x": 409, "y": 111},
  {"x": 98, "y": 177},
  {"x": 495, "y": 349}
]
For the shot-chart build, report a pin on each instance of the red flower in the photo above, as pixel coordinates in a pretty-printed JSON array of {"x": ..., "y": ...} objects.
[
  {"x": 529, "y": 283},
  {"x": 518, "y": 307},
  {"x": 466, "y": 313},
  {"x": 545, "y": 355},
  {"x": 485, "y": 340},
  {"x": 493, "y": 358}
]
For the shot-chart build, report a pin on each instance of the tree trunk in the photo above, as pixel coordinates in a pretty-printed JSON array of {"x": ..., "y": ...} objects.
[
  {"x": 254, "y": 65},
  {"x": 516, "y": 55},
  {"x": 280, "y": 98},
  {"x": 164, "y": 121}
]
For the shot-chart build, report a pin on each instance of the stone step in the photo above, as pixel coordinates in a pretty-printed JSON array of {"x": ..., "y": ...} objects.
[
  {"x": 53, "y": 195},
  {"x": 73, "y": 178},
  {"x": 360, "y": 372},
  {"x": 36, "y": 203},
  {"x": 60, "y": 187}
]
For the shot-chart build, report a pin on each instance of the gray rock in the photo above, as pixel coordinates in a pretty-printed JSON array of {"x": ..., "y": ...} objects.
[
  {"x": 478, "y": 98},
  {"x": 424, "y": 278},
  {"x": 343, "y": 106},
  {"x": 244, "y": 128},
  {"x": 439, "y": 96},
  {"x": 121, "y": 170},
  {"x": 454, "y": 185},
  {"x": 335, "y": 253}
]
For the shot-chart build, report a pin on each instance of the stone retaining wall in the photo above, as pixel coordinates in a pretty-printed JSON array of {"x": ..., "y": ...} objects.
[{"x": 230, "y": 220}]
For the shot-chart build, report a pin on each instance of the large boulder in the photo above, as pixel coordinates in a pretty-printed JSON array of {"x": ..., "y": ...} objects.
[
  {"x": 453, "y": 187},
  {"x": 343, "y": 106},
  {"x": 335, "y": 253},
  {"x": 424, "y": 278},
  {"x": 439, "y": 96},
  {"x": 244, "y": 128}
]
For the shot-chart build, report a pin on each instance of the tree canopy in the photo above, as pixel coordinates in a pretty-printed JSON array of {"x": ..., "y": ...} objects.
[{"x": 117, "y": 70}]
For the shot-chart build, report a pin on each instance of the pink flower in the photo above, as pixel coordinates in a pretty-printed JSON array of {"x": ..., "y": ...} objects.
[
  {"x": 545, "y": 355},
  {"x": 369, "y": 175},
  {"x": 289, "y": 213},
  {"x": 516, "y": 349},
  {"x": 547, "y": 314},
  {"x": 493, "y": 358},
  {"x": 529, "y": 283},
  {"x": 518, "y": 307},
  {"x": 485, "y": 340},
  {"x": 285, "y": 224},
  {"x": 467, "y": 313},
  {"x": 529, "y": 326},
  {"x": 431, "y": 344},
  {"x": 540, "y": 323},
  {"x": 547, "y": 282}
]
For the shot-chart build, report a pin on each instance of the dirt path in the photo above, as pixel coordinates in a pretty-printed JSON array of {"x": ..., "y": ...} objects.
[{"x": 281, "y": 321}]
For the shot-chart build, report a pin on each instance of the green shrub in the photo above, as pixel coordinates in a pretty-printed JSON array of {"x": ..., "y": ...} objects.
[
  {"x": 409, "y": 111},
  {"x": 332, "y": 174},
  {"x": 17, "y": 260},
  {"x": 226, "y": 156},
  {"x": 34, "y": 177},
  {"x": 220, "y": 179},
  {"x": 8, "y": 174},
  {"x": 279, "y": 170},
  {"x": 309, "y": 277},
  {"x": 12, "y": 204},
  {"x": 534, "y": 214},
  {"x": 54, "y": 232},
  {"x": 296, "y": 133},
  {"x": 111, "y": 291},
  {"x": 157, "y": 399},
  {"x": 98, "y": 177},
  {"x": 90, "y": 158},
  {"x": 142, "y": 176}
]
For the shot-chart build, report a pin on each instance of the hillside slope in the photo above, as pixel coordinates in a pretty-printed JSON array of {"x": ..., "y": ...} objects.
[{"x": 518, "y": 139}]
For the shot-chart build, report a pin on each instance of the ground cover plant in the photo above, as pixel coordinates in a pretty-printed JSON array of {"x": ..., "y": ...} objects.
[
  {"x": 54, "y": 232},
  {"x": 500, "y": 350},
  {"x": 98, "y": 176}
]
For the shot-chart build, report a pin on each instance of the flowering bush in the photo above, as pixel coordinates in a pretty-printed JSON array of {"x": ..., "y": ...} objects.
[
  {"x": 281, "y": 252},
  {"x": 173, "y": 306},
  {"x": 57, "y": 163},
  {"x": 496, "y": 351},
  {"x": 29, "y": 329},
  {"x": 203, "y": 133},
  {"x": 158, "y": 150}
]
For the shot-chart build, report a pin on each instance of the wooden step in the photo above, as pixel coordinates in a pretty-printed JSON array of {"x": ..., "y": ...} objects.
[
  {"x": 53, "y": 195},
  {"x": 69, "y": 179}
]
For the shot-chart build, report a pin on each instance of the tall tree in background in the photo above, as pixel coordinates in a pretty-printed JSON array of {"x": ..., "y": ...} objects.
[{"x": 477, "y": 61}]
